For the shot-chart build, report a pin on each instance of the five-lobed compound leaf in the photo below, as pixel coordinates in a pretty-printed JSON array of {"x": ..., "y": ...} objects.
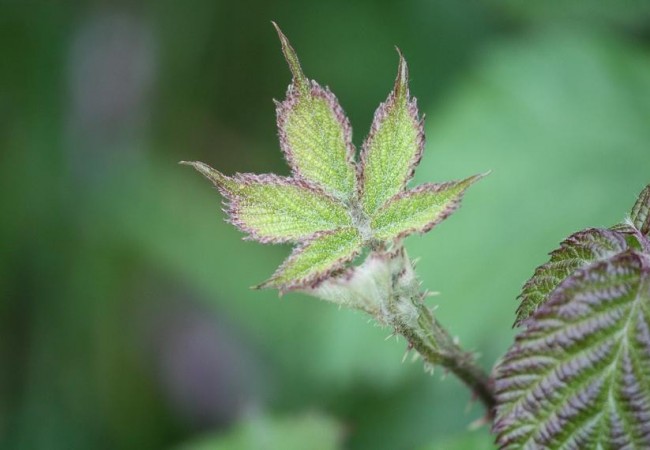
[
  {"x": 578, "y": 377},
  {"x": 578, "y": 250},
  {"x": 276, "y": 209},
  {"x": 315, "y": 134},
  {"x": 640, "y": 215},
  {"x": 311, "y": 262},
  {"x": 419, "y": 209},
  {"x": 333, "y": 206},
  {"x": 394, "y": 146}
]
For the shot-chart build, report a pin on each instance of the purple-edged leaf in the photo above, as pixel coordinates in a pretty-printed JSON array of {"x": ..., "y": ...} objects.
[
  {"x": 640, "y": 215},
  {"x": 394, "y": 146},
  {"x": 578, "y": 377},
  {"x": 276, "y": 209},
  {"x": 316, "y": 259},
  {"x": 578, "y": 250},
  {"x": 315, "y": 135},
  {"x": 419, "y": 209}
]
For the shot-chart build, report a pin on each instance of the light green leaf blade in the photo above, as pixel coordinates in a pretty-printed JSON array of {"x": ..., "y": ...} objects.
[
  {"x": 640, "y": 215},
  {"x": 579, "y": 375},
  {"x": 394, "y": 146},
  {"x": 276, "y": 209},
  {"x": 316, "y": 259},
  {"x": 315, "y": 134},
  {"x": 419, "y": 209},
  {"x": 577, "y": 251}
]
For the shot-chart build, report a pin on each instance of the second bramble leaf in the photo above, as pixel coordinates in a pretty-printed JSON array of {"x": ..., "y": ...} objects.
[{"x": 333, "y": 206}]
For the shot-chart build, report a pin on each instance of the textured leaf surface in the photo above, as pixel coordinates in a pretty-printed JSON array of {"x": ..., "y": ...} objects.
[
  {"x": 276, "y": 209},
  {"x": 315, "y": 134},
  {"x": 579, "y": 376},
  {"x": 640, "y": 215},
  {"x": 394, "y": 146},
  {"x": 578, "y": 250},
  {"x": 419, "y": 209},
  {"x": 311, "y": 262}
]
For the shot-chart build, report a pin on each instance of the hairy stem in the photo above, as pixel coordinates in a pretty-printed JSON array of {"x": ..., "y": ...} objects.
[
  {"x": 411, "y": 318},
  {"x": 437, "y": 347}
]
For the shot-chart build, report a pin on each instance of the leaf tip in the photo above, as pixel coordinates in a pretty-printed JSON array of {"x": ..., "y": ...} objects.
[
  {"x": 217, "y": 178},
  {"x": 401, "y": 81},
  {"x": 467, "y": 182},
  {"x": 299, "y": 78},
  {"x": 260, "y": 286}
]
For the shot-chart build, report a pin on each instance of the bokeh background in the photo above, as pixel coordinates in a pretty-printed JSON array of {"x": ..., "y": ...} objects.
[{"x": 126, "y": 319}]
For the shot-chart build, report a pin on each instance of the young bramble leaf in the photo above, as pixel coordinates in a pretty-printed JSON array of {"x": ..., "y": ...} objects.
[
  {"x": 315, "y": 134},
  {"x": 640, "y": 215},
  {"x": 578, "y": 250},
  {"x": 394, "y": 146},
  {"x": 419, "y": 209},
  {"x": 311, "y": 262},
  {"x": 579, "y": 375},
  {"x": 321, "y": 207},
  {"x": 276, "y": 209}
]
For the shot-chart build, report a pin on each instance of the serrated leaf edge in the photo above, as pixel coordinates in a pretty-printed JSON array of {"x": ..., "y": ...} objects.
[
  {"x": 227, "y": 186},
  {"x": 282, "y": 110},
  {"x": 400, "y": 92},
  {"x": 432, "y": 188},
  {"x": 545, "y": 313},
  {"x": 640, "y": 214},
  {"x": 314, "y": 279}
]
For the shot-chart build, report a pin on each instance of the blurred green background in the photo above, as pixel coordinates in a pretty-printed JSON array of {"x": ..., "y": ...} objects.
[{"x": 126, "y": 321}]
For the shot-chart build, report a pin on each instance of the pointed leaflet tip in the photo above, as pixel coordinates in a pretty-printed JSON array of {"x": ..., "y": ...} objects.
[
  {"x": 299, "y": 78},
  {"x": 217, "y": 178},
  {"x": 315, "y": 135},
  {"x": 401, "y": 81}
]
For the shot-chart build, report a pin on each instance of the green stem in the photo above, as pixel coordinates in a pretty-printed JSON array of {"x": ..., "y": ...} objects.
[{"x": 434, "y": 343}]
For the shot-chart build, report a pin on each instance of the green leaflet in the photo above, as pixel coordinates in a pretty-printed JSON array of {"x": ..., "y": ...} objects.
[
  {"x": 276, "y": 209},
  {"x": 579, "y": 375},
  {"x": 578, "y": 250},
  {"x": 419, "y": 209},
  {"x": 640, "y": 215},
  {"x": 394, "y": 146},
  {"x": 315, "y": 135},
  {"x": 310, "y": 262}
]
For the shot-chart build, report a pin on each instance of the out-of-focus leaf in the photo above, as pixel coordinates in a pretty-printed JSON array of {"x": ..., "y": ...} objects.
[
  {"x": 419, "y": 209},
  {"x": 313, "y": 432},
  {"x": 315, "y": 134},
  {"x": 276, "y": 209},
  {"x": 579, "y": 375},
  {"x": 311, "y": 262},
  {"x": 578, "y": 250},
  {"x": 394, "y": 146},
  {"x": 635, "y": 12},
  {"x": 640, "y": 215}
]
